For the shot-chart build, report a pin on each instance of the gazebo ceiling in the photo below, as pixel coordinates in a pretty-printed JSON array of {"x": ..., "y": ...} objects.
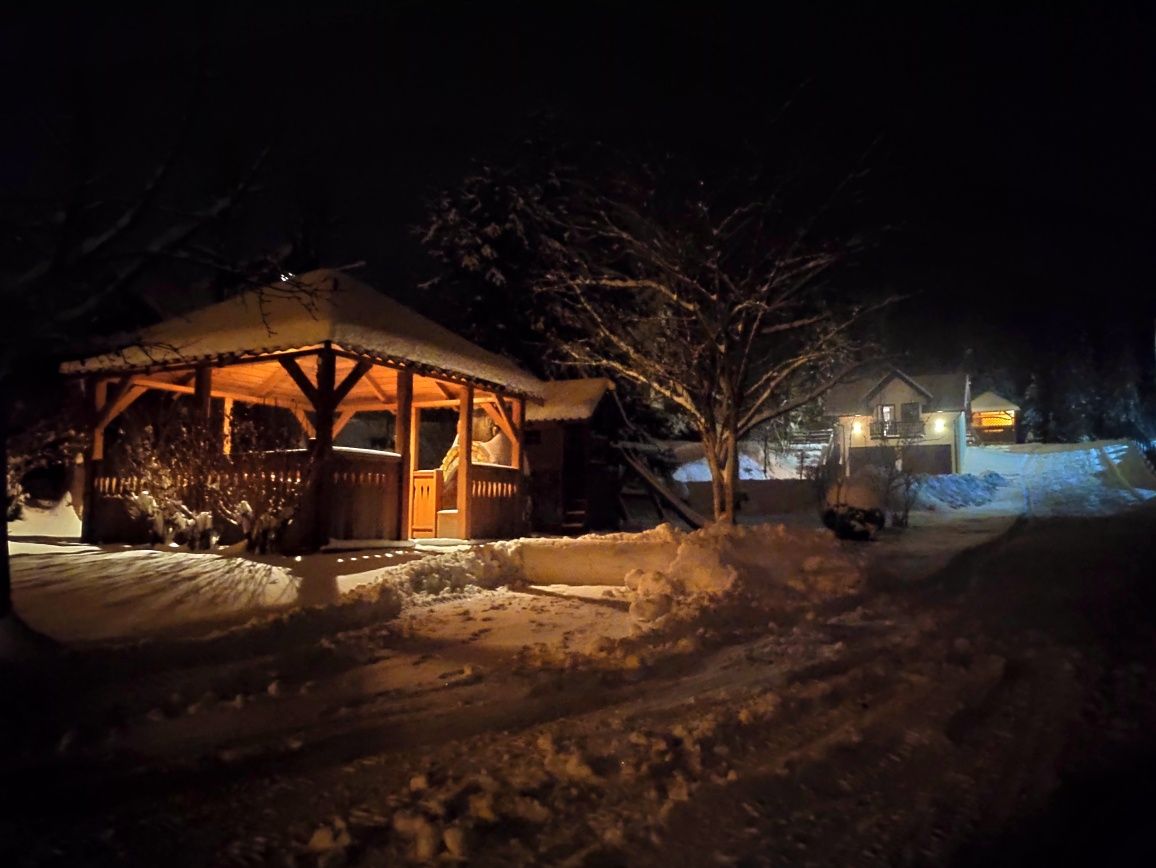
[
  {"x": 321, "y": 308},
  {"x": 267, "y": 382}
]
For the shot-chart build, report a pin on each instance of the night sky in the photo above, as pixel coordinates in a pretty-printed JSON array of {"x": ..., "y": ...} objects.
[{"x": 1010, "y": 161}]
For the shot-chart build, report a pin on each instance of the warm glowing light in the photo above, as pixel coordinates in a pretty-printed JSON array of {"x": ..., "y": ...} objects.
[
  {"x": 856, "y": 427},
  {"x": 940, "y": 426}
]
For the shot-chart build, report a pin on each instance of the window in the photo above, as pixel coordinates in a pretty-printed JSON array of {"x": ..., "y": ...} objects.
[
  {"x": 909, "y": 412},
  {"x": 886, "y": 412}
]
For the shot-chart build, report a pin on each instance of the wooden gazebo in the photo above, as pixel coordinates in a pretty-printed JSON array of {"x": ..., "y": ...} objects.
[{"x": 325, "y": 346}]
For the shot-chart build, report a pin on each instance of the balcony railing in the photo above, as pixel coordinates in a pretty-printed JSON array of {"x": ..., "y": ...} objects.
[{"x": 893, "y": 428}]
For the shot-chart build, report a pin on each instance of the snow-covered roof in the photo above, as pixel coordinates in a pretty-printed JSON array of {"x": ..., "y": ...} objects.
[
  {"x": 569, "y": 400},
  {"x": 992, "y": 401},
  {"x": 306, "y": 311},
  {"x": 948, "y": 392}
]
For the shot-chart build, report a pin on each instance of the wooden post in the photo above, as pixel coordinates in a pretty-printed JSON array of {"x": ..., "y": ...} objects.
[
  {"x": 465, "y": 458},
  {"x": 519, "y": 461},
  {"x": 203, "y": 392},
  {"x": 97, "y": 397},
  {"x": 519, "y": 432},
  {"x": 324, "y": 408},
  {"x": 406, "y": 445}
]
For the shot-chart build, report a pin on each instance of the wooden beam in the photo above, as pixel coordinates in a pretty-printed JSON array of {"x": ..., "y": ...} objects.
[
  {"x": 465, "y": 459},
  {"x": 351, "y": 379},
  {"x": 451, "y": 403},
  {"x": 166, "y": 386},
  {"x": 126, "y": 392},
  {"x": 303, "y": 420},
  {"x": 298, "y": 376},
  {"x": 500, "y": 420},
  {"x": 451, "y": 394},
  {"x": 343, "y": 419},
  {"x": 362, "y": 406},
  {"x": 405, "y": 445}
]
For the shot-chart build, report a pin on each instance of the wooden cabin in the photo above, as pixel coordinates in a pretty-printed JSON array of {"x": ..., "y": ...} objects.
[
  {"x": 994, "y": 419},
  {"x": 326, "y": 347},
  {"x": 574, "y": 479}
]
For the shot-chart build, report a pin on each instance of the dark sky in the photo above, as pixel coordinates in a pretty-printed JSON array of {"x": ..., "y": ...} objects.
[{"x": 1013, "y": 149}]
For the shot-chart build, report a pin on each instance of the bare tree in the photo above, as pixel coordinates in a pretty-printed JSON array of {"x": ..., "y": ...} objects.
[
  {"x": 716, "y": 299},
  {"x": 76, "y": 263}
]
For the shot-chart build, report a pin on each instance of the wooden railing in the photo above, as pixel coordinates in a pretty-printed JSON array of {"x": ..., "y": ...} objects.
[
  {"x": 364, "y": 503},
  {"x": 495, "y": 501},
  {"x": 894, "y": 428}
]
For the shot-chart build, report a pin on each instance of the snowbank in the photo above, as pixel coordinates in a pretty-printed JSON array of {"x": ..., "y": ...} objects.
[
  {"x": 958, "y": 490},
  {"x": 59, "y": 522}
]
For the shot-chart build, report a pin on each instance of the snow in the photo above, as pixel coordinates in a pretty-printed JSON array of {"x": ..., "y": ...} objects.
[
  {"x": 60, "y": 522},
  {"x": 614, "y": 699},
  {"x": 332, "y": 306},
  {"x": 957, "y": 490},
  {"x": 569, "y": 400},
  {"x": 988, "y": 401},
  {"x": 780, "y": 465}
]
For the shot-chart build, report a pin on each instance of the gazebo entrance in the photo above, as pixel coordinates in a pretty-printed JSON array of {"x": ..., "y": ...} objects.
[{"x": 325, "y": 353}]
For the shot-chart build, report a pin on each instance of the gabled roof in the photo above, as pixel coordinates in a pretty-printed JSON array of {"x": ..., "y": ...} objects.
[
  {"x": 992, "y": 401},
  {"x": 306, "y": 311},
  {"x": 944, "y": 392},
  {"x": 569, "y": 400}
]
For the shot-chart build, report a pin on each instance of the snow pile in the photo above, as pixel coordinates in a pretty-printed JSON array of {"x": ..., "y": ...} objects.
[
  {"x": 489, "y": 566},
  {"x": 759, "y": 563},
  {"x": 958, "y": 490}
]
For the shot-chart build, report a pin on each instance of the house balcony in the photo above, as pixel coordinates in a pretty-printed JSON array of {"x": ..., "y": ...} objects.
[{"x": 881, "y": 430}]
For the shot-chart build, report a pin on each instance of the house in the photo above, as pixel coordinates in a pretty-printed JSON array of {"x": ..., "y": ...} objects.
[
  {"x": 325, "y": 347},
  {"x": 892, "y": 414},
  {"x": 574, "y": 478},
  {"x": 994, "y": 419}
]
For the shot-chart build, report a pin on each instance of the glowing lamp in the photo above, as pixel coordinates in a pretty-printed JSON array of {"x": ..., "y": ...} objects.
[
  {"x": 856, "y": 427},
  {"x": 940, "y": 425}
]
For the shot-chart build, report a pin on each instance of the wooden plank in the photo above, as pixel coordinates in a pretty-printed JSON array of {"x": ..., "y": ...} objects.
[
  {"x": 465, "y": 459},
  {"x": 405, "y": 444},
  {"x": 379, "y": 389}
]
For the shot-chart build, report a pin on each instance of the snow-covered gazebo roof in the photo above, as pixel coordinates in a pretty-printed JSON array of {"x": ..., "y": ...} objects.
[
  {"x": 323, "y": 307},
  {"x": 569, "y": 400},
  {"x": 991, "y": 401}
]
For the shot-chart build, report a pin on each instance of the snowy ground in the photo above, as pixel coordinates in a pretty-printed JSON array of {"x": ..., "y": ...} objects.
[{"x": 774, "y": 697}]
